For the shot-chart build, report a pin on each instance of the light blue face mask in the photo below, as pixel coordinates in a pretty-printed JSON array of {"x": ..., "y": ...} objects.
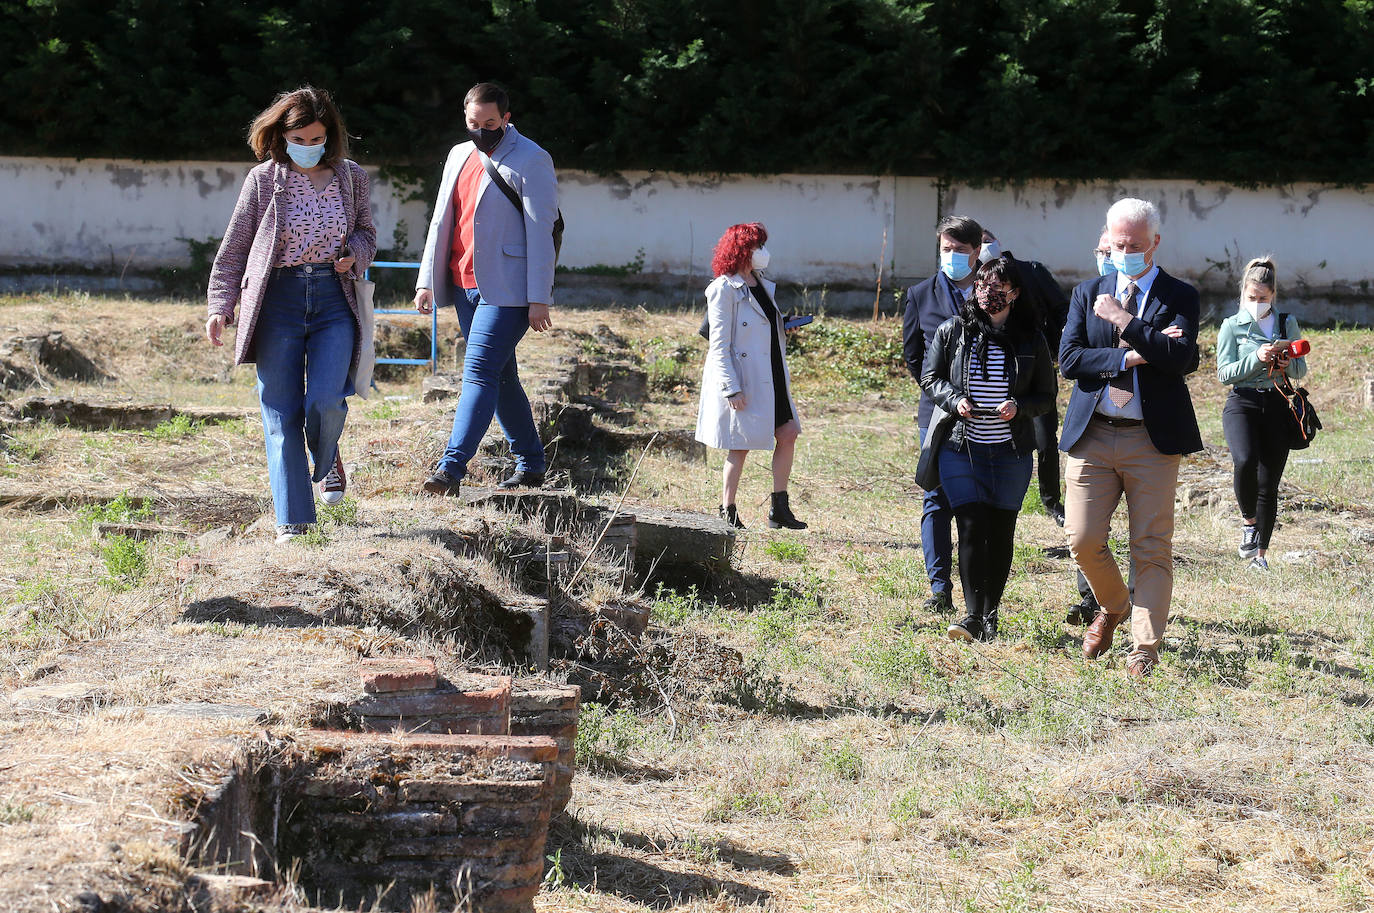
[
  {"x": 1104, "y": 265},
  {"x": 1129, "y": 264},
  {"x": 305, "y": 156},
  {"x": 955, "y": 265}
]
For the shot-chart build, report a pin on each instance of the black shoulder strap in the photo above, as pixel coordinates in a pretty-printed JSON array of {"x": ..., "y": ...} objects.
[
  {"x": 1282, "y": 325},
  {"x": 499, "y": 181}
]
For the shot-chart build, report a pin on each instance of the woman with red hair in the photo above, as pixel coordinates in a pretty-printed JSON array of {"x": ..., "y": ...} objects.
[{"x": 746, "y": 398}]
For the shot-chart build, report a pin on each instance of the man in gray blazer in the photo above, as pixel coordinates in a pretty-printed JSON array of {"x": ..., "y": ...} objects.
[{"x": 494, "y": 263}]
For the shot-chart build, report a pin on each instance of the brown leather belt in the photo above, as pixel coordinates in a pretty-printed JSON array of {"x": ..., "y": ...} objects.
[{"x": 1117, "y": 422}]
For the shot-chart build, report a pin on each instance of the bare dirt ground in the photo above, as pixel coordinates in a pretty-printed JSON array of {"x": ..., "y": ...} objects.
[{"x": 806, "y": 738}]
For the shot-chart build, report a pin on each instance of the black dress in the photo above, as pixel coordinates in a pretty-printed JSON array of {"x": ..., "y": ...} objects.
[{"x": 782, "y": 403}]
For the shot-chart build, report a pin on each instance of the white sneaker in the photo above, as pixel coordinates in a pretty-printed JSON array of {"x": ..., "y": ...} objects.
[
  {"x": 288, "y": 531},
  {"x": 1257, "y": 563},
  {"x": 333, "y": 486}
]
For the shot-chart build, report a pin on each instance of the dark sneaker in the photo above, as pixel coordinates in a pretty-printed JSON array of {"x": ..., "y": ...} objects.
[
  {"x": 1082, "y": 613},
  {"x": 1056, "y": 512},
  {"x": 939, "y": 603},
  {"x": 333, "y": 486},
  {"x": 441, "y": 483},
  {"x": 1258, "y": 563},
  {"x": 523, "y": 479},
  {"x": 967, "y": 630},
  {"x": 1249, "y": 541}
]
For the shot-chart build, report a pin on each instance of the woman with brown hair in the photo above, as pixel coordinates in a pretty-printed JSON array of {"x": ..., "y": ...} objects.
[{"x": 303, "y": 222}]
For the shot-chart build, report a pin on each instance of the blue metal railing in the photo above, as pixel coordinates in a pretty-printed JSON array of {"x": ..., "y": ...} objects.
[{"x": 433, "y": 360}]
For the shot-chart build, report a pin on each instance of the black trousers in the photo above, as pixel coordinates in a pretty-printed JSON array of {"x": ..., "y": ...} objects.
[
  {"x": 1047, "y": 456},
  {"x": 986, "y": 535},
  {"x": 1254, "y": 424}
]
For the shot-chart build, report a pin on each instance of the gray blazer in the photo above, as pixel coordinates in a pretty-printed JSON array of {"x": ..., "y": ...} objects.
[{"x": 514, "y": 256}]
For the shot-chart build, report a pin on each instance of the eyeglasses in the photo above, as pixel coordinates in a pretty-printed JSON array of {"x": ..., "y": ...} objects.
[{"x": 1102, "y": 253}]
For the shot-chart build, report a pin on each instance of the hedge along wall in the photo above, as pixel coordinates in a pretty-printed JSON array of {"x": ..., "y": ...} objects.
[{"x": 1241, "y": 91}]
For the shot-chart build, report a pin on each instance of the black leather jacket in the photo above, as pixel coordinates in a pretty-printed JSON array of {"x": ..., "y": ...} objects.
[{"x": 944, "y": 378}]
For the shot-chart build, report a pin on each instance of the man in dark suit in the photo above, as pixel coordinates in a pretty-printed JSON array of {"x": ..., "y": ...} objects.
[
  {"x": 1051, "y": 306},
  {"x": 1130, "y": 339},
  {"x": 928, "y": 305}
]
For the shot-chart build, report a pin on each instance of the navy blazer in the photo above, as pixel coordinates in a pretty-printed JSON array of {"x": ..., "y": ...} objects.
[
  {"x": 928, "y": 305},
  {"x": 1088, "y": 355}
]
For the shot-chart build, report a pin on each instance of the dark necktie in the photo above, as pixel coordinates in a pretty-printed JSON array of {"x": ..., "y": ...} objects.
[{"x": 1121, "y": 388}]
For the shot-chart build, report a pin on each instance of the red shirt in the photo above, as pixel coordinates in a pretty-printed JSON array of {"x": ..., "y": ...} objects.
[{"x": 465, "y": 205}]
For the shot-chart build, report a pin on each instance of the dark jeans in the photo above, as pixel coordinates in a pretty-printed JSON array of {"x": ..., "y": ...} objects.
[
  {"x": 1047, "y": 457},
  {"x": 937, "y": 542},
  {"x": 491, "y": 386},
  {"x": 1252, "y": 422},
  {"x": 986, "y": 534}
]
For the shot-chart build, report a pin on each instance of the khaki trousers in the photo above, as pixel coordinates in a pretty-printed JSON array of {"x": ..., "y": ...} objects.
[{"x": 1106, "y": 463}]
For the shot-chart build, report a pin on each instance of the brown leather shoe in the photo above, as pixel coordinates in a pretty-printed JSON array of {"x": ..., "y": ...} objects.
[
  {"x": 1097, "y": 640},
  {"x": 1140, "y": 665}
]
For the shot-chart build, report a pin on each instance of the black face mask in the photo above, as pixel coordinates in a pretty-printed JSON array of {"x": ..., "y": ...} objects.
[{"x": 486, "y": 140}]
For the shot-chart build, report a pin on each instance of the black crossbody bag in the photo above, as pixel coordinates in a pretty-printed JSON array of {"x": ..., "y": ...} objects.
[
  {"x": 514, "y": 198},
  {"x": 1303, "y": 424}
]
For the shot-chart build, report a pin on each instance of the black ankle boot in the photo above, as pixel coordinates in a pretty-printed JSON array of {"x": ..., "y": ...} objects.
[
  {"x": 731, "y": 516},
  {"x": 970, "y": 628},
  {"x": 989, "y": 626},
  {"x": 780, "y": 516}
]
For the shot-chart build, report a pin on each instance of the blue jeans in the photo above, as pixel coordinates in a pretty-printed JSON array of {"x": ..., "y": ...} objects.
[
  {"x": 491, "y": 386},
  {"x": 937, "y": 543},
  {"x": 304, "y": 342}
]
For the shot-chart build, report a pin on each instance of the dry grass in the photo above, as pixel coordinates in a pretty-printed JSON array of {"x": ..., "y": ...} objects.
[{"x": 851, "y": 759}]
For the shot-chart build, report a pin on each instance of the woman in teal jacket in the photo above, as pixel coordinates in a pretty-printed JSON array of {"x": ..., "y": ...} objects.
[{"x": 1252, "y": 350}]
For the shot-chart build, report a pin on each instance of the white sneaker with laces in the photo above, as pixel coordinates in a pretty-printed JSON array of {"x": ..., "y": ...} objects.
[
  {"x": 1258, "y": 563},
  {"x": 333, "y": 486},
  {"x": 288, "y": 531}
]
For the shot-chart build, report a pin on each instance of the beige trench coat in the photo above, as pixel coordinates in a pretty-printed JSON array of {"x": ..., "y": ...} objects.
[{"x": 738, "y": 359}]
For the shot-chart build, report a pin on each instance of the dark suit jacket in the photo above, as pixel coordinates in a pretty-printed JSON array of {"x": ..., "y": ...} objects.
[
  {"x": 1088, "y": 355},
  {"x": 1040, "y": 290},
  {"x": 928, "y": 305}
]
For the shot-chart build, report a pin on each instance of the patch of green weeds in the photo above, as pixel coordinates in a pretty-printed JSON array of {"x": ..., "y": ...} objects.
[
  {"x": 633, "y": 268},
  {"x": 786, "y": 549},
  {"x": 672, "y": 608},
  {"x": 665, "y": 373},
  {"x": 757, "y": 689},
  {"x": 1037, "y": 624},
  {"x": 12, "y": 813},
  {"x": 843, "y": 761},
  {"x": 126, "y": 561},
  {"x": 383, "y": 411},
  {"x": 178, "y": 426},
  {"x": 909, "y": 806},
  {"x": 606, "y": 737},
  {"x": 862, "y": 355},
  {"x": 896, "y": 657},
  {"x": 1222, "y": 665},
  {"x": 121, "y": 510},
  {"x": 1282, "y": 675},
  {"x": 345, "y": 513}
]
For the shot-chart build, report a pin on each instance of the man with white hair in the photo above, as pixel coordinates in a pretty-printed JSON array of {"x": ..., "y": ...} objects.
[{"x": 1130, "y": 339}]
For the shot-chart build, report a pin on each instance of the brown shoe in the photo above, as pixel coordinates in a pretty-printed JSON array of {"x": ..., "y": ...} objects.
[
  {"x": 1140, "y": 665},
  {"x": 1097, "y": 640}
]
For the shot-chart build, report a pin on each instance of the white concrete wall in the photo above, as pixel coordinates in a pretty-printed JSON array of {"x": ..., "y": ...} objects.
[
  {"x": 826, "y": 229},
  {"x": 1318, "y": 235}
]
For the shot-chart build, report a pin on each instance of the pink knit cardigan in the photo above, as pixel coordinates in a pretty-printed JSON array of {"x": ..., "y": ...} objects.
[{"x": 244, "y": 262}]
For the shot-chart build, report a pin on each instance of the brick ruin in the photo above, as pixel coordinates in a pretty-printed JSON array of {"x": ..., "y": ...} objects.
[{"x": 442, "y": 785}]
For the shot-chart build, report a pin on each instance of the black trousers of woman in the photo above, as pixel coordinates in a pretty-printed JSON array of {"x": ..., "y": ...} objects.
[
  {"x": 986, "y": 535},
  {"x": 1254, "y": 424}
]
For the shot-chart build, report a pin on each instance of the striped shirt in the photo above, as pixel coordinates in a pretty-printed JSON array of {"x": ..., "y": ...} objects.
[{"x": 986, "y": 427}]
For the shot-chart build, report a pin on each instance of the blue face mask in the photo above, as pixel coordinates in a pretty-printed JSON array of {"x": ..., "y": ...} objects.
[
  {"x": 1129, "y": 264},
  {"x": 1104, "y": 265},
  {"x": 955, "y": 265},
  {"x": 305, "y": 156}
]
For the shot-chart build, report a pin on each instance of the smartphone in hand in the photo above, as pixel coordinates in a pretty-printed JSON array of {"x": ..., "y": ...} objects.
[{"x": 801, "y": 320}]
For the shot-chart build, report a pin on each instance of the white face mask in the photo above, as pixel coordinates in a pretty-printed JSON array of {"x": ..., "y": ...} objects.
[
  {"x": 1257, "y": 309},
  {"x": 991, "y": 251},
  {"x": 761, "y": 259}
]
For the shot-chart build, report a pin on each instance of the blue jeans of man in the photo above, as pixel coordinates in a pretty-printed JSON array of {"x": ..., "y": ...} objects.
[
  {"x": 937, "y": 542},
  {"x": 304, "y": 348},
  {"x": 491, "y": 386}
]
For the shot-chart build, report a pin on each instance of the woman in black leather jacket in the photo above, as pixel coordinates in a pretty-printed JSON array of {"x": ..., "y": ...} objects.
[{"x": 990, "y": 367}]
